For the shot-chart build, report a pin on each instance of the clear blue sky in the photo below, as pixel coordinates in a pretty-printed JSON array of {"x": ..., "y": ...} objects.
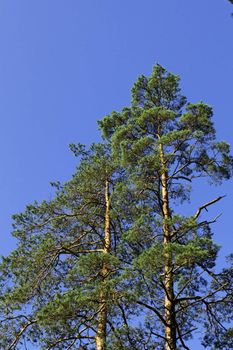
[{"x": 64, "y": 64}]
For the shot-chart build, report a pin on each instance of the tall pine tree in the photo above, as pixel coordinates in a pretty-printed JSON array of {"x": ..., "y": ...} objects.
[{"x": 165, "y": 144}]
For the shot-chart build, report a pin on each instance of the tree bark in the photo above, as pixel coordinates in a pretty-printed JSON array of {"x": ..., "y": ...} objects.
[
  {"x": 169, "y": 302},
  {"x": 102, "y": 315}
]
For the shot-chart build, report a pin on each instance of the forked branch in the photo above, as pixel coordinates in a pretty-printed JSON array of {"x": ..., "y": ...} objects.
[{"x": 199, "y": 210}]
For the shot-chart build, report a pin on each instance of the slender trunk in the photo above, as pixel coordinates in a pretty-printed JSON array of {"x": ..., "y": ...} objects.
[
  {"x": 169, "y": 303},
  {"x": 102, "y": 316}
]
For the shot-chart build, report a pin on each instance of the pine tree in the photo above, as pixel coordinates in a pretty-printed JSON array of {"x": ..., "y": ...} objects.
[
  {"x": 165, "y": 144},
  {"x": 58, "y": 285}
]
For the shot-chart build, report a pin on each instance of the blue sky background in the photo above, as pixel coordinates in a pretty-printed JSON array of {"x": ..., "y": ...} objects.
[{"x": 66, "y": 64}]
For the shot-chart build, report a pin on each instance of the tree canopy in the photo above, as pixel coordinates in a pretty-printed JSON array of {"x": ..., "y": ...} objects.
[{"x": 112, "y": 261}]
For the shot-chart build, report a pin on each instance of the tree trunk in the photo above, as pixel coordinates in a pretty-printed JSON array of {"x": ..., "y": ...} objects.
[
  {"x": 102, "y": 315},
  {"x": 169, "y": 302}
]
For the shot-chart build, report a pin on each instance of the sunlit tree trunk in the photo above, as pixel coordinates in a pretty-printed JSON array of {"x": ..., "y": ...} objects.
[
  {"x": 169, "y": 302},
  {"x": 102, "y": 316}
]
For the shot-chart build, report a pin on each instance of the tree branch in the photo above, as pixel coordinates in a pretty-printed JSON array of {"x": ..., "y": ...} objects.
[
  {"x": 18, "y": 336},
  {"x": 199, "y": 210}
]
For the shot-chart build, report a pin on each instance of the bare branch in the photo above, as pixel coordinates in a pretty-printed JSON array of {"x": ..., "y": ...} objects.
[
  {"x": 153, "y": 309},
  {"x": 18, "y": 336},
  {"x": 197, "y": 299},
  {"x": 84, "y": 251},
  {"x": 73, "y": 338},
  {"x": 199, "y": 210}
]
